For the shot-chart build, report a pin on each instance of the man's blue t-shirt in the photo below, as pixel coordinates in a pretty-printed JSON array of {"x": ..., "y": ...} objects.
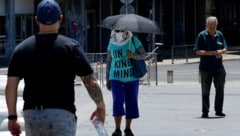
[{"x": 121, "y": 68}]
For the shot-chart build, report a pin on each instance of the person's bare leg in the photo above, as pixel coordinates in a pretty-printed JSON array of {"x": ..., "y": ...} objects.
[
  {"x": 118, "y": 120},
  {"x": 128, "y": 131},
  {"x": 128, "y": 123},
  {"x": 117, "y": 131}
]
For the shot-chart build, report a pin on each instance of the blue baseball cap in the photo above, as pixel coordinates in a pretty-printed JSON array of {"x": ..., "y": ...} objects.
[{"x": 48, "y": 12}]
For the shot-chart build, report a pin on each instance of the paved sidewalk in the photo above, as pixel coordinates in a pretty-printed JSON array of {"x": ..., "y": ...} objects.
[
  {"x": 175, "y": 110},
  {"x": 167, "y": 110}
]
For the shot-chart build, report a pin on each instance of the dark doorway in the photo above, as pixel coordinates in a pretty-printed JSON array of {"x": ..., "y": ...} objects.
[{"x": 228, "y": 13}]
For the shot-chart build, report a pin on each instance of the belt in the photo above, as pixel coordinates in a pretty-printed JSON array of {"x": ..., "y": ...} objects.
[{"x": 42, "y": 107}]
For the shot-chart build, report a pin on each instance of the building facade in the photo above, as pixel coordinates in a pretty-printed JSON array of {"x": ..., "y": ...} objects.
[{"x": 181, "y": 20}]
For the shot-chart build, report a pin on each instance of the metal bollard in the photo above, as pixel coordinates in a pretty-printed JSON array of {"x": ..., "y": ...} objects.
[{"x": 170, "y": 76}]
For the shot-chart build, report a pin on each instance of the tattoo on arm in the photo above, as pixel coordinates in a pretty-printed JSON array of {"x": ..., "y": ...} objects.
[{"x": 94, "y": 90}]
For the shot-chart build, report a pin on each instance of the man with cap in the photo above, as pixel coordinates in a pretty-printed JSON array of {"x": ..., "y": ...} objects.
[{"x": 48, "y": 63}]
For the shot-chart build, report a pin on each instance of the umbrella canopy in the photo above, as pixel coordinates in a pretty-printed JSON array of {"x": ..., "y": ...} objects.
[{"x": 131, "y": 22}]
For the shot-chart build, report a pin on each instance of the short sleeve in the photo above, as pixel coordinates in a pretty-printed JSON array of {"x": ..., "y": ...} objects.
[
  {"x": 81, "y": 63},
  {"x": 224, "y": 40},
  {"x": 198, "y": 42},
  {"x": 15, "y": 67},
  {"x": 137, "y": 42}
]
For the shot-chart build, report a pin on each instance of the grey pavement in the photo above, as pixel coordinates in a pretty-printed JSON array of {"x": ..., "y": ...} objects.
[{"x": 169, "y": 109}]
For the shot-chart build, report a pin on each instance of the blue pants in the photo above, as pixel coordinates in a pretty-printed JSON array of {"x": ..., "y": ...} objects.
[
  {"x": 49, "y": 122},
  {"x": 125, "y": 94}
]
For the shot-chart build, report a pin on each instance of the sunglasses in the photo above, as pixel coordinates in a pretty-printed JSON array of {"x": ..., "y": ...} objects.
[{"x": 117, "y": 31}]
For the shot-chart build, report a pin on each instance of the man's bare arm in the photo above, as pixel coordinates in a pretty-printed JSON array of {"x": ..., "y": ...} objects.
[
  {"x": 211, "y": 53},
  {"x": 93, "y": 88},
  {"x": 11, "y": 94},
  {"x": 206, "y": 53},
  {"x": 222, "y": 51}
]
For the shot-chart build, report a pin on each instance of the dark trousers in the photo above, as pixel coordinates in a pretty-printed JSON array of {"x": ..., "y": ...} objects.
[{"x": 218, "y": 78}]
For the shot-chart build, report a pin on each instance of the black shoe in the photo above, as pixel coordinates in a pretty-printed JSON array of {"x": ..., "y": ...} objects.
[
  {"x": 128, "y": 132},
  {"x": 205, "y": 115},
  {"x": 221, "y": 114},
  {"x": 117, "y": 132}
]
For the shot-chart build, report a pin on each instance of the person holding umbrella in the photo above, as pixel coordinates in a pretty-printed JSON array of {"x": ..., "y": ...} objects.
[{"x": 122, "y": 47}]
